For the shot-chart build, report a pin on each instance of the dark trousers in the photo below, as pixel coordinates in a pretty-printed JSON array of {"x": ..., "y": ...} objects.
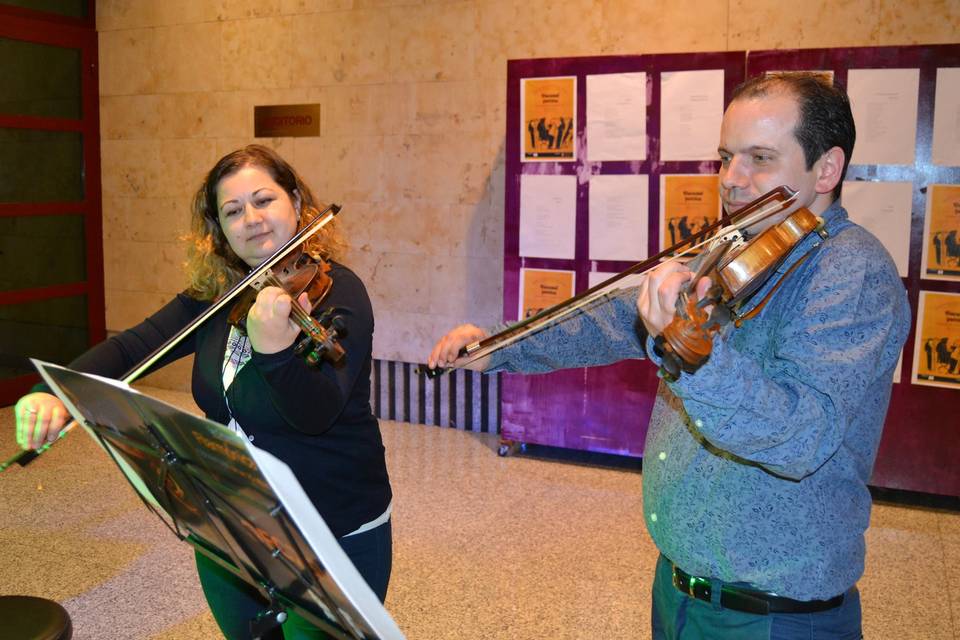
[
  {"x": 234, "y": 603},
  {"x": 677, "y": 616}
]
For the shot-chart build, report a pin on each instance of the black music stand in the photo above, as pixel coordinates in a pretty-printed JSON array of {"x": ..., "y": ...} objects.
[{"x": 235, "y": 503}]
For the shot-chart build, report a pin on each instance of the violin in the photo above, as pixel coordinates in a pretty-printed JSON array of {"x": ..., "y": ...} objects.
[
  {"x": 300, "y": 272},
  {"x": 726, "y": 229},
  {"x": 738, "y": 268},
  {"x": 291, "y": 246}
]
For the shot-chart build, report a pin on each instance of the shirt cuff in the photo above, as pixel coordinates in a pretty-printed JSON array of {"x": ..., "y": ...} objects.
[
  {"x": 652, "y": 352},
  {"x": 498, "y": 358},
  {"x": 272, "y": 361},
  {"x": 712, "y": 378}
]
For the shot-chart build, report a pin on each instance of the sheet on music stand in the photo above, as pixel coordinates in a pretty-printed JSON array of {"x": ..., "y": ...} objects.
[{"x": 219, "y": 491}]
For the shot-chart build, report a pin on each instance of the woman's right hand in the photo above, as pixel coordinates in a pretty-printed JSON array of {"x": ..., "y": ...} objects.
[
  {"x": 447, "y": 350},
  {"x": 40, "y": 419}
]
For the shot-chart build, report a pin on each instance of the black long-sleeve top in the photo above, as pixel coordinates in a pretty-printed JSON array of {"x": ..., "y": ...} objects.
[{"x": 318, "y": 421}]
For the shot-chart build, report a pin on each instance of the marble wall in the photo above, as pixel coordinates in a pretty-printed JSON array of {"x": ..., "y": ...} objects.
[{"x": 412, "y": 99}]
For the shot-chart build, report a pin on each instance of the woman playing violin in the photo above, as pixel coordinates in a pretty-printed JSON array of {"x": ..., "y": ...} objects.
[
  {"x": 756, "y": 463},
  {"x": 318, "y": 420}
]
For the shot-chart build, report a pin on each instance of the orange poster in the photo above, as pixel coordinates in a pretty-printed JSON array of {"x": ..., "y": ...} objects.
[
  {"x": 941, "y": 250},
  {"x": 542, "y": 288},
  {"x": 688, "y": 204},
  {"x": 549, "y": 116},
  {"x": 936, "y": 352}
]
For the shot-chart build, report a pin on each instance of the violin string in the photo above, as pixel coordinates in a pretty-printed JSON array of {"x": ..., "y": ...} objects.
[
  {"x": 618, "y": 283},
  {"x": 617, "y": 286},
  {"x": 628, "y": 280},
  {"x": 303, "y": 318},
  {"x": 750, "y": 220},
  {"x": 308, "y": 231}
]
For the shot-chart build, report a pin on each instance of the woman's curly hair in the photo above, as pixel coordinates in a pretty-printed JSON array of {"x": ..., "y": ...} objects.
[{"x": 212, "y": 266}]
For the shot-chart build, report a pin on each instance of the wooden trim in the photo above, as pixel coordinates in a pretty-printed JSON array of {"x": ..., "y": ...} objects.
[
  {"x": 35, "y": 26},
  {"x": 8, "y": 12},
  {"x": 40, "y": 123},
  {"x": 90, "y": 92},
  {"x": 25, "y": 209},
  {"x": 22, "y": 296}
]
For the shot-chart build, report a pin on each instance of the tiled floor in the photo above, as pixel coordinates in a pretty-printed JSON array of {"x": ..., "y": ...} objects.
[{"x": 484, "y": 547}]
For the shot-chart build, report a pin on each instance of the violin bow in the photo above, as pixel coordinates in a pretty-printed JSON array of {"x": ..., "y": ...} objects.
[
  {"x": 26, "y": 456},
  {"x": 770, "y": 203}
]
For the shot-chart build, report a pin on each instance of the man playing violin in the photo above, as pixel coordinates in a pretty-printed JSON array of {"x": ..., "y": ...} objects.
[
  {"x": 757, "y": 462},
  {"x": 317, "y": 420}
]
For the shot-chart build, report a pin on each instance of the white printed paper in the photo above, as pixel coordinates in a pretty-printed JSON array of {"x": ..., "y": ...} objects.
[
  {"x": 946, "y": 118},
  {"x": 691, "y": 109},
  {"x": 884, "y": 103},
  {"x": 617, "y": 116},
  {"x": 548, "y": 210},
  {"x": 596, "y": 277},
  {"x": 619, "y": 217},
  {"x": 883, "y": 209}
]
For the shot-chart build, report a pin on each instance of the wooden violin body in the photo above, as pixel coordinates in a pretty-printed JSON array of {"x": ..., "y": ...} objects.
[
  {"x": 300, "y": 273},
  {"x": 743, "y": 270},
  {"x": 737, "y": 273},
  {"x": 769, "y": 204}
]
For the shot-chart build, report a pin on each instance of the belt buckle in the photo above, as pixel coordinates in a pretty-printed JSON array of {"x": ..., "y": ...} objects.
[{"x": 678, "y": 583}]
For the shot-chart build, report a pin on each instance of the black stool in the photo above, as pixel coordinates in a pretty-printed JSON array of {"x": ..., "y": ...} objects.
[{"x": 29, "y": 618}]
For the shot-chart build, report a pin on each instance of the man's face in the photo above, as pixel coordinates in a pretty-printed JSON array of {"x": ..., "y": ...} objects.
[{"x": 759, "y": 152}]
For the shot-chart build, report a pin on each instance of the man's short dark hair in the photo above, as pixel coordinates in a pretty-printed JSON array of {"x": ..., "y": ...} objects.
[{"x": 825, "y": 119}]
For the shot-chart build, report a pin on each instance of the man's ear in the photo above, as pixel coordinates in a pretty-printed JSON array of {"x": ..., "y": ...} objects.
[{"x": 829, "y": 169}]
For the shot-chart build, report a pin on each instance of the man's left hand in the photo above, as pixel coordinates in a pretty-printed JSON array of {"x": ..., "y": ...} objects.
[{"x": 659, "y": 290}]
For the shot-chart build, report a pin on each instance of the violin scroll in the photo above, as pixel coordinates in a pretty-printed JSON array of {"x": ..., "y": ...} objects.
[
  {"x": 321, "y": 342},
  {"x": 687, "y": 344}
]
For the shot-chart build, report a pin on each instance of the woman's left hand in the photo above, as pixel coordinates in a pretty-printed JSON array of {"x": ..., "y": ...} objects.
[{"x": 269, "y": 325}]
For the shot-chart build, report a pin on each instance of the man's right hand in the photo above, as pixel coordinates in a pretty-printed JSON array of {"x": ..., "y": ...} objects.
[
  {"x": 447, "y": 350},
  {"x": 40, "y": 419}
]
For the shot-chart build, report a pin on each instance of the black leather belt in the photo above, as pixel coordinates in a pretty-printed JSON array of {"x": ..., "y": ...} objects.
[{"x": 748, "y": 600}]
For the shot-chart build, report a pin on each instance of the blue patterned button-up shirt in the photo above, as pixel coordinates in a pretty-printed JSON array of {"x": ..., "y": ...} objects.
[{"x": 756, "y": 467}]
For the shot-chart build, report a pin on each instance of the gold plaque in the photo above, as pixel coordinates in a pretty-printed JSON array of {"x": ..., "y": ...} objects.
[{"x": 286, "y": 120}]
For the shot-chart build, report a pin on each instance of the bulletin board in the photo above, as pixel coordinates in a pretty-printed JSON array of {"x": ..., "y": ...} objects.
[
  {"x": 920, "y": 449},
  {"x": 581, "y": 206}
]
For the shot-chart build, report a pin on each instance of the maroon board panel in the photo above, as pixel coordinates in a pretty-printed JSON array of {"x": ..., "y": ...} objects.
[
  {"x": 607, "y": 408},
  {"x": 603, "y": 409},
  {"x": 920, "y": 448}
]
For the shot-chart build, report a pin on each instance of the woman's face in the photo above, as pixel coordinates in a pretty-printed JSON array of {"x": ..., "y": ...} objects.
[{"x": 256, "y": 215}]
